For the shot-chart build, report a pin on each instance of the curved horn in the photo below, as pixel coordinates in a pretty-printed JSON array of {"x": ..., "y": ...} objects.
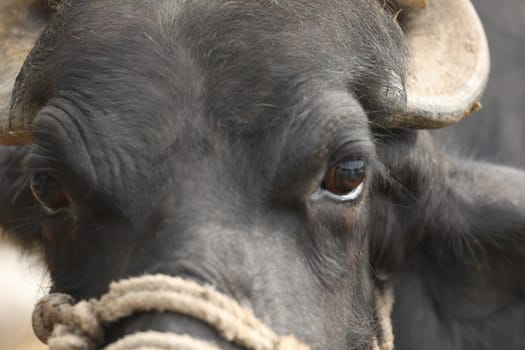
[
  {"x": 449, "y": 64},
  {"x": 21, "y": 21}
]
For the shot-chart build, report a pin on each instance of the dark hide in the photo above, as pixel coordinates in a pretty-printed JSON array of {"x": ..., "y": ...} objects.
[
  {"x": 455, "y": 252},
  {"x": 190, "y": 137}
]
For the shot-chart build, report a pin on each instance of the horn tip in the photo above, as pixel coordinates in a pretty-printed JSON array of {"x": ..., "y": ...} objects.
[{"x": 473, "y": 109}]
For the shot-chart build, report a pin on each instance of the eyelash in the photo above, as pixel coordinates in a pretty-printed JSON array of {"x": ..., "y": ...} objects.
[{"x": 37, "y": 157}]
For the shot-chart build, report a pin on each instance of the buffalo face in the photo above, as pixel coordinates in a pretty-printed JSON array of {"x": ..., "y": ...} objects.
[{"x": 253, "y": 146}]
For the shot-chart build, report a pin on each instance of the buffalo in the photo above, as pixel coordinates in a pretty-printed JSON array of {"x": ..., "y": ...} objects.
[{"x": 272, "y": 149}]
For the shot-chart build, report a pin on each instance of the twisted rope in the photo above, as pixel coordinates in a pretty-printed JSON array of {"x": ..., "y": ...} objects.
[
  {"x": 66, "y": 325},
  {"x": 384, "y": 305}
]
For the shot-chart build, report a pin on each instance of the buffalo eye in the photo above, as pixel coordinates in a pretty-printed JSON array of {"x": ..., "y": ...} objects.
[
  {"x": 49, "y": 192},
  {"x": 344, "y": 181}
]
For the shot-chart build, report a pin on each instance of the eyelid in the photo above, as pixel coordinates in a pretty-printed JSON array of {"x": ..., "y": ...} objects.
[{"x": 362, "y": 150}]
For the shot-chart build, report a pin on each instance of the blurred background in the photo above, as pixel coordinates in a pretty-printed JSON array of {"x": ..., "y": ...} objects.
[
  {"x": 22, "y": 279},
  {"x": 504, "y": 98}
]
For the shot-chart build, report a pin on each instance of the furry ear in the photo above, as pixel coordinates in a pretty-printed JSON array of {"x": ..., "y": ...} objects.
[{"x": 452, "y": 240}]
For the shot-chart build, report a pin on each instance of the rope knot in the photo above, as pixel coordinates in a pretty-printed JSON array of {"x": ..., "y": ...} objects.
[{"x": 58, "y": 316}]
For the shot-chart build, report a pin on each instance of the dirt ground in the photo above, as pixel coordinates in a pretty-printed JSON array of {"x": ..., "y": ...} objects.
[{"x": 22, "y": 280}]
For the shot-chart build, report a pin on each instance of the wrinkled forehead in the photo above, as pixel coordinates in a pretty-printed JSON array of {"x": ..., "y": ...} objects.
[{"x": 244, "y": 67}]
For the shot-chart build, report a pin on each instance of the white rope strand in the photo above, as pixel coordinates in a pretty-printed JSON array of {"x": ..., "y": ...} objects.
[
  {"x": 66, "y": 325},
  {"x": 160, "y": 341}
]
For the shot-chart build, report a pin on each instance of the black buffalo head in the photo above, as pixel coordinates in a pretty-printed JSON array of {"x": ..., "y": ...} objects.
[{"x": 263, "y": 147}]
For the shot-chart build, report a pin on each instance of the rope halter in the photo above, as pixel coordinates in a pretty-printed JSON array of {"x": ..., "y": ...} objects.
[{"x": 65, "y": 325}]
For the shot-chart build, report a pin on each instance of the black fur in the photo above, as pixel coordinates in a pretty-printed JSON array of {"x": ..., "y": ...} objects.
[{"x": 190, "y": 137}]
